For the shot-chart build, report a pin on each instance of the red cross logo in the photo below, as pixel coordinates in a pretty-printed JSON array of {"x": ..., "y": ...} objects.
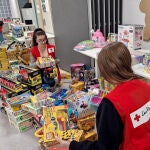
[{"x": 137, "y": 117}]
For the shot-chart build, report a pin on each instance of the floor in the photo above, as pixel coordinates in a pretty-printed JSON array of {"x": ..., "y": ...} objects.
[{"x": 12, "y": 139}]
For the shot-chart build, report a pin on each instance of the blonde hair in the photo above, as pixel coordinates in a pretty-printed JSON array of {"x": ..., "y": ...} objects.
[{"x": 114, "y": 62}]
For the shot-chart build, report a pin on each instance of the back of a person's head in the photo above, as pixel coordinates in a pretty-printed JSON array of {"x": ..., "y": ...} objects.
[{"x": 114, "y": 63}]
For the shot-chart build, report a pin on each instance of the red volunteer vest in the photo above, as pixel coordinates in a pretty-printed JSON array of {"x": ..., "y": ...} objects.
[
  {"x": 132, "y": 101},
  {"x": 51, "y": 52}
]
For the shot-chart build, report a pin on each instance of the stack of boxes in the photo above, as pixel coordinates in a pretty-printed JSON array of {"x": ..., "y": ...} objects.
[
  {"x": 32, "y": 78},
  {"x": 4, "y": 63},
  {"x": 20, "y": 119},
  {"x": 17, "y": 117}
]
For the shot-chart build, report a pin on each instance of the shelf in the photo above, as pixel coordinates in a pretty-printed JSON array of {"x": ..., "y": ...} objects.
[{"x": 139, "y": 70}]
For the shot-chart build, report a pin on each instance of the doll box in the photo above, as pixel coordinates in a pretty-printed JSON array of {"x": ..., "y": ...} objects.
[{"x": 131, "y": 36}]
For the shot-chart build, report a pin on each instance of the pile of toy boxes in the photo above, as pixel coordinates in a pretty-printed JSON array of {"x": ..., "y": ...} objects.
[
  {"x": 72, "y": 119},
  {"x": 4, "y": 63},
  {"x": 32, "y": 78},
  {"x": 17, "y": 117},
  {"x": 9, "y": 83}
]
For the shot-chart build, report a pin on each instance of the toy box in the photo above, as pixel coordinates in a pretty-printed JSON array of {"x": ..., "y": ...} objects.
[
  {"x": 29, "y": 108},
  {"x": 55, "y": 118},
  {"x": 4, "y": 63},
  {"x": 35, "y": 89},
  {"x": 90, "y": 84},
  {"x": 30, "y": 76},
  {"x": 39, "y": 100},
  {"x": 17, "y": 31},
  {"x": 10, "y": 84},
  {"x": 58, "y": 96},
  {"x": 86, "y": 123},
  {"x": 75, "y": 69},
  {"x": 20, "y": 119},
  {"x": 19, "y": 99},
  {"x": 131, "y": 35},
  {"x": 46, "y": 62},
  {"x": 146, "y": 62},
  {"x": 80, "y": 105},
  {"x": 86, "y": 75},
  {"x": 73, "y": 134},
  {"x": 90, "y": 135},
  {"x": 77, "y": 86},
  {"x": 8, "y": 93}
]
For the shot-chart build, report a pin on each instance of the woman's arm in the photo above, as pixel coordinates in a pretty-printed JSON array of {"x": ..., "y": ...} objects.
[
  {"x": 109, "y": 130},
  {"x": 32, "y": 61}
]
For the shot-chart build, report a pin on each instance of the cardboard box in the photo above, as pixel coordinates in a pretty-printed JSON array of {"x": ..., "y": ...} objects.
[
  {"x": 30, "y": 76},
  {"x": 131, "y": 35}
]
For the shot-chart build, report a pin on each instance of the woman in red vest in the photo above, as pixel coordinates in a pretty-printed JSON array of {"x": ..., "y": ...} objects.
[
  {"x": 123, "y": 116},
  {"x": 41, "y": 48}
]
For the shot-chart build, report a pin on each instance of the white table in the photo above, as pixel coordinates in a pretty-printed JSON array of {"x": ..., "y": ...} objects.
[
  {"x": 139, "y": 70},
  {"x": 93, "y": 53}
]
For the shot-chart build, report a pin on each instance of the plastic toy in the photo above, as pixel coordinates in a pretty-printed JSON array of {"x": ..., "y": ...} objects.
[
  {"x": 98, "y": 38},
  {"x": 84, "y": 45}
]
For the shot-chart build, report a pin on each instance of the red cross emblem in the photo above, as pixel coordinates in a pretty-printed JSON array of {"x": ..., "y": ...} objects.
[{"x": 137, "y": 117}]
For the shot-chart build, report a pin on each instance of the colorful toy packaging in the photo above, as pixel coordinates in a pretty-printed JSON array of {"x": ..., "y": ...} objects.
[
  {"x": 76, "y": 86},
  {"x": 20, "y": 119},
  {"x": 30, "y": 76},
  {"x": 55, "y": 118},
  {"x": 75, "y": 69},
  {"x": 17, "y": 31},
  {"x": 98, "y": 38},
  {"x": 39, "y": 100},
  {"x": 146, "y": 62},
  {"x": 58, "y": 96},
  {"x": 4, "y": 63},
  {"x": 46, "y": 62},
  {"x": 19, "y": 99},
  {"x": 29, "y": 108},
  {"x": 131, "y": 36},
  {"x": 79, "y": 103},
  {"x": 87, "y": 123}
]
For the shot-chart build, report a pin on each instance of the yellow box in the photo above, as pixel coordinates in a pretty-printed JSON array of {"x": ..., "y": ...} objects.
[{"x": 77, "y": 86}]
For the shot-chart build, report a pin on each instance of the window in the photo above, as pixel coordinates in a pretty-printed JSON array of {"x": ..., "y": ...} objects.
[
  {"x": 106, "y": 15},
  {"x": 5, "y": 10}
]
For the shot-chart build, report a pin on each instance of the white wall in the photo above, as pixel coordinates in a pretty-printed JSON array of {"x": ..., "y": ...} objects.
[
  {"x": 14, "y": 9},
  {"x": 133, "y": 15}
]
